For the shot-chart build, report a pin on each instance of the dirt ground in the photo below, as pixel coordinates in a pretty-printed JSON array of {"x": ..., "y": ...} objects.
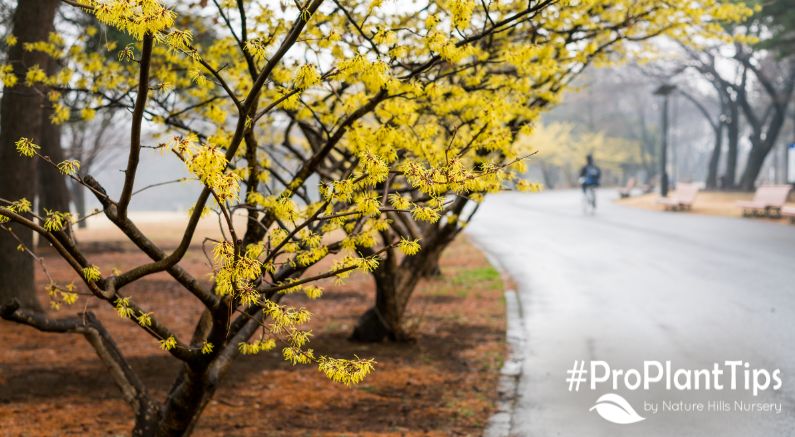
[
  {"x": 442, "y": 384},
  {"x": 709, "y": 203}
]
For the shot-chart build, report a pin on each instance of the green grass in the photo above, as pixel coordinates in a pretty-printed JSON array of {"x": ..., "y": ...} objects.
[
  {"x": 480, "y": 274},
  {"x": 482, "y": 277}
]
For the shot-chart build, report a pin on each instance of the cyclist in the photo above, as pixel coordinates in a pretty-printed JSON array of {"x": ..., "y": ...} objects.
[{"x": 589, "y": 179}]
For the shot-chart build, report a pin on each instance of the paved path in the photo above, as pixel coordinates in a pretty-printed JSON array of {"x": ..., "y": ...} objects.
[{"x": 629, "y": 285}]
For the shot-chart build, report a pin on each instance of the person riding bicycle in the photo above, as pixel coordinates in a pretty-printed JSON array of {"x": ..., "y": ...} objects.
[
  {"x": 590, "y": 174},
  {"x": 589, "y": 179}
]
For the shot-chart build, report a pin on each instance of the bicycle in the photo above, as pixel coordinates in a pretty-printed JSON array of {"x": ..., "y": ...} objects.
[{"x": 589, "y": 199}]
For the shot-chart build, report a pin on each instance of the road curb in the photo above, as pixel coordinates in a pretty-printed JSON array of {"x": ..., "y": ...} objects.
[{"x": 500, "y": 423}]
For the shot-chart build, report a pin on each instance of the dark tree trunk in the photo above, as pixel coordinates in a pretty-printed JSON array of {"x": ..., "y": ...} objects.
[
  {"x": 384, "y": 320},
  {"x": 759, "y": 151},
  {"x": 760, "y": 148},
  {"x": 395, "y": 283},
  {"x": 433, "y": 271},
  {"x": 756, "y": 158},
  {"x": 190, "y": 394},
  {"x": 20, "y": 116},
  {"x": 146, "y": 421},
  {"x": 714, "y": 159},
  {"x": 733, "y": 138}
]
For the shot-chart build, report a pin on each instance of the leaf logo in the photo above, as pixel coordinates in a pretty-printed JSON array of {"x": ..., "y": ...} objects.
[{"x": 614, "y": 408}]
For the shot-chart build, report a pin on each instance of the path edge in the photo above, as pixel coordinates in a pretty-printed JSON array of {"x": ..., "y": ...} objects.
[{"x": 501, "y": 422}]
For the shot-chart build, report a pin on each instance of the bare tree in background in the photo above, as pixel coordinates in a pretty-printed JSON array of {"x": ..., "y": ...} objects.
[{"x": 88, "y": 142}]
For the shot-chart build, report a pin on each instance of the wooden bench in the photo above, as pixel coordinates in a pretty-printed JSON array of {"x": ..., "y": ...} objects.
[
  {"x": 627, "y": 190},
  {"x": 681, "y": 199},
  {"x": 789, "y": 211},
  {"x": 768, "y": 200}
]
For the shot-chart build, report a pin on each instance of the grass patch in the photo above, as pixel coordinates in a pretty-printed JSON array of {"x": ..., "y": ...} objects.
[
  {"x": 477, "y": 274},
  {"x": 480, "y": 277}
]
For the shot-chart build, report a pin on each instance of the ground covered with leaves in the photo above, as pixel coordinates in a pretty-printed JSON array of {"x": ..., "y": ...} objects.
[{"x": 444, "y": 383}]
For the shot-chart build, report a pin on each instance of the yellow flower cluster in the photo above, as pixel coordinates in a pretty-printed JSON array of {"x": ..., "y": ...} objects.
[
  {"x": 168, "y": 343},
  {"x": 461, "y": 12},
  {"x": 306, "y": 76},
  {"x": 69, "y": 167},
  {"x": 136, "y": 17},
  {"x": 235, "y": 272},
  {"x": 208, "y": 163},
  {"x": 56, "y": 220},
  {"x": 409, "y": 247},
  {"x": 285, "y": 318},
  {"x": 347, "y": 372},
  {"x": 19, "y": 206},
  {"x": 7, "y": 76},
  {"x": 145, "y": 319},
  {"x": 123, "y": 308},
  {"x": 256, "y": 347},
  {"x": 53, "y": 46},
  {"x": 27, "y": 148},
  {"x": 59, "y": 295}
]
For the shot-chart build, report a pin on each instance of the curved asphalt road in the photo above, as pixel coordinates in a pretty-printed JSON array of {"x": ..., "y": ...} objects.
[{"x": 629, "y": 285}]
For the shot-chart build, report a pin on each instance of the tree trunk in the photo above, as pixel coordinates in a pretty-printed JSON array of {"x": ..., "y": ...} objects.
[
  {"x": 394, "y": 288},
  {"x": 761, "y": 148},
  {"x": 385, "y": 319},
  {"x": 756, "y": 158},
  {"x": 53, "y": 192},
  {"x": 20, "y": 116},
  {"x": 759, "y": 151},
  {"x": 714, "y": 159},
  {"x": 433, "y": 269},
  {"x": 729, "y": 178},
  {"x": 146, "y": 422},
  {"x": 78, "y": 195},
  {"x": 185, "y": 402}
]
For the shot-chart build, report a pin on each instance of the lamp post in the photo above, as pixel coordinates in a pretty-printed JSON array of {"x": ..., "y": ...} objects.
[{"x": 665, "y": 91}]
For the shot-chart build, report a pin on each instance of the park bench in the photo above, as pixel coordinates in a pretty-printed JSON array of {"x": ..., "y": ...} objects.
[
  {"x": 768, "y": 200},
  {"x": 789, "y": 211},
  {"x": 681, "y": 199},
  {"x": 627, "y": 190}
]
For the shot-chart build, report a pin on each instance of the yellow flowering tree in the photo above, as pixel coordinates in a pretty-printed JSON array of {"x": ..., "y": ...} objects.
[
  {"x": 562, "y": 149},
  {"x": 348, "y": 130},
  {"x": 469, "y": 132}
]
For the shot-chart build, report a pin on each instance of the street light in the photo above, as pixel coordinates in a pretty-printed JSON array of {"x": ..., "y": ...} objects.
[{"x": 665, "y": 91}]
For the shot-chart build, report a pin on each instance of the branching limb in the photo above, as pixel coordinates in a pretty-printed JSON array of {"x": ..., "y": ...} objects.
[
  {"x": 87, "y": 324},
  {"x": 135, "y": 130}
]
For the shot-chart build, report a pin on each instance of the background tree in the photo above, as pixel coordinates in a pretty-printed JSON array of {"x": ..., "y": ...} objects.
[
  {"x": 717, "y": 119},
  {"x": 90, "y": 142},
  {"x": 565, "y": 39},
  {"x": 21, "y": 115},
  {"x": 564, "y": 148},
  {"x": 754, "y": 79},
  {"x": 618, "y": 102}
]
